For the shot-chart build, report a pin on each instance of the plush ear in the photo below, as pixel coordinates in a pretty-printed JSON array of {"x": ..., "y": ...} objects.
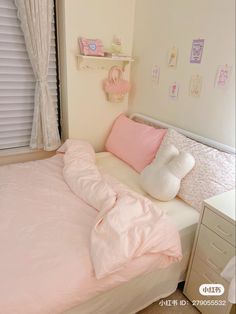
[
  {"x": 181, "y": 165},
  {"x": 164, "y": 155}
]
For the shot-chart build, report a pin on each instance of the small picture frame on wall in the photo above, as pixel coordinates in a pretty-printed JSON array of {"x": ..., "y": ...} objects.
[
  {"x": 197, "y": 51},
  {"x": 172, "y": 57},
  {"x": 223, "y": 76},
  {"x": 174, "y": 90},
  {"x": 155, "y": 73},
  {"x": 195, "y": 86}
]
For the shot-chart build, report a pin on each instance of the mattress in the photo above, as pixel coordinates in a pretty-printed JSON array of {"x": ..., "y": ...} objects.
[
  {"x": 182, "y": 213},
  {"x": 184, "y": 216},
  {"x": 45, "y": 265}
]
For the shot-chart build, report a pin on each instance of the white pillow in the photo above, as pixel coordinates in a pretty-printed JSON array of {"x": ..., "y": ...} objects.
[
  {"x": 214, "y": 171},
  {"x": 161, "y": 179}
]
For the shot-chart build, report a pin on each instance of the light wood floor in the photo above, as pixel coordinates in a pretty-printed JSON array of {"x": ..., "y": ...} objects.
[{"x": 161, "y": 307}]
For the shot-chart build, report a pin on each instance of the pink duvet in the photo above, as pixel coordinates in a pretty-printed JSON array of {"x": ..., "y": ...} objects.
[
  {"x": 45, "y": 239},
  {"x": 128, "y": 225}
]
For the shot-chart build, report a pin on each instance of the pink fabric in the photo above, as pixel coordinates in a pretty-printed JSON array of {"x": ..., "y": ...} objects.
[
  {"x": 115, "y": 83},
  {"x": 133, "y": 142},
  {"x": 132, "y": 228},
  {"x": 128, "y": 226},
  {"x": 45, "y": 234},
  {"x": 83, "y": 177},
  {"x": 91, "y": 47}
]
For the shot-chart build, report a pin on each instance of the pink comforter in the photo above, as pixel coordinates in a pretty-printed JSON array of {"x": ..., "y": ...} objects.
[
  {"x": 128, "y": 225},
  {"x": 45, "y": 240}
]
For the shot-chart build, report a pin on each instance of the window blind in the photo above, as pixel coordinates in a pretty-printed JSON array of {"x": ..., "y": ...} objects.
[{"x": 17, "y": 81}]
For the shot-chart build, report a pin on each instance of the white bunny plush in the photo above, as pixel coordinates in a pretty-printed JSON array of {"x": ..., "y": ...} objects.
[{"x": 161, "y": 179}]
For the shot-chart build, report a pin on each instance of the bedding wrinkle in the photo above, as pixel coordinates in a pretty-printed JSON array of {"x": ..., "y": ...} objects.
[
  {"x": 83, "y": 177},
  {"x": 129, "y": 227},
  {"x": 45, "y": 238}
]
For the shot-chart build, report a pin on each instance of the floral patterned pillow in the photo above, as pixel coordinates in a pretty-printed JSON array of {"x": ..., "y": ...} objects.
[{"x": 213, "y": 173}]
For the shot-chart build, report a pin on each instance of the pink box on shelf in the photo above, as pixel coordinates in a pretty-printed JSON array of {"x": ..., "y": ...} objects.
[{"x": 91, "y": 47}]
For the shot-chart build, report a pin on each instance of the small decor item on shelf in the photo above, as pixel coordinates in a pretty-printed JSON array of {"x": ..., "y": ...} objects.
[
  {"x": 91, "y": 47},
  {"x": 115, "y": 86},
  {"x": 116, "y": 56},
  {"x": 116, "y": 47}
]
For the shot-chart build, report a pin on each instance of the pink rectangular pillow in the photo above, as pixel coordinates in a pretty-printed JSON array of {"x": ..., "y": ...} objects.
[{"x": 133, "y": 142}]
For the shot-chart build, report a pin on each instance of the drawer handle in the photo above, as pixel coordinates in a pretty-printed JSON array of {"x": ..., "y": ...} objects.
[
  {"x": 209, "y": 262},
  {"x": 218, "y": 227},
  {"x": 216, "y": 248}
]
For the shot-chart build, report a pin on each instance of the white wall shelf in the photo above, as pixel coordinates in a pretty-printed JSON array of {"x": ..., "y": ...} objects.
[{"x": 83, "y": 61}]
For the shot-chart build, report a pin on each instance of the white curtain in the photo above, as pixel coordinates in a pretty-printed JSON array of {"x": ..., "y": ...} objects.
[{"x": 36, "y": 19}]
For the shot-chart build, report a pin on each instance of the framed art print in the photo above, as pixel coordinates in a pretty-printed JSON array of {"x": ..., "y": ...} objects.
[
  {"x": 174, "y": 90},
  {"x": 223, "y": 76},
  {"x": 197, "y": 50},
  {"x": 195, "y": 86},
  {"x": 155, "y": 73},
  {"x": 172, "y": 57}
]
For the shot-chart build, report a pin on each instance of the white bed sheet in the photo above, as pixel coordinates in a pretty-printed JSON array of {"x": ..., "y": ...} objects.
[
  {"x": 139, "y": 292},
  {"x": 108, "y": 163}
]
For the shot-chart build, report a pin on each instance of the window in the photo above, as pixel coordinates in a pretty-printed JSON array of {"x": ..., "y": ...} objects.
[{"x": 17, "y": 81}]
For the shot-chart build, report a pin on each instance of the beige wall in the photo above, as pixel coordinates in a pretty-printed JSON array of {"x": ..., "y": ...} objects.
[
  {"x": 85, "y": 112},
  {"x": 159, "y": 24}
]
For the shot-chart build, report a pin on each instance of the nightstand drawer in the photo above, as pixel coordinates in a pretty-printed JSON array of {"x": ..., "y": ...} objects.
[
  {"x": 213, "y": 250},
  {"x": 219, "y": 225},
  {"x": 208, "y": 274},
  {"x": 202, "y": 274}
]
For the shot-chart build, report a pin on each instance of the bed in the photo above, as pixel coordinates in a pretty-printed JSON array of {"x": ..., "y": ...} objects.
[{"x": 44, "y": 257}]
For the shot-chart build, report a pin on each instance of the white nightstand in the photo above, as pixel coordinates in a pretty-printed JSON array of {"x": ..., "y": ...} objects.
[{"x": 213, "y": 247}]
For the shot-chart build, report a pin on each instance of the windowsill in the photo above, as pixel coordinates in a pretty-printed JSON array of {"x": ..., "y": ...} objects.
[
  {"x": 23, "y": 154},
  {"x": 18, "y": 151}
]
